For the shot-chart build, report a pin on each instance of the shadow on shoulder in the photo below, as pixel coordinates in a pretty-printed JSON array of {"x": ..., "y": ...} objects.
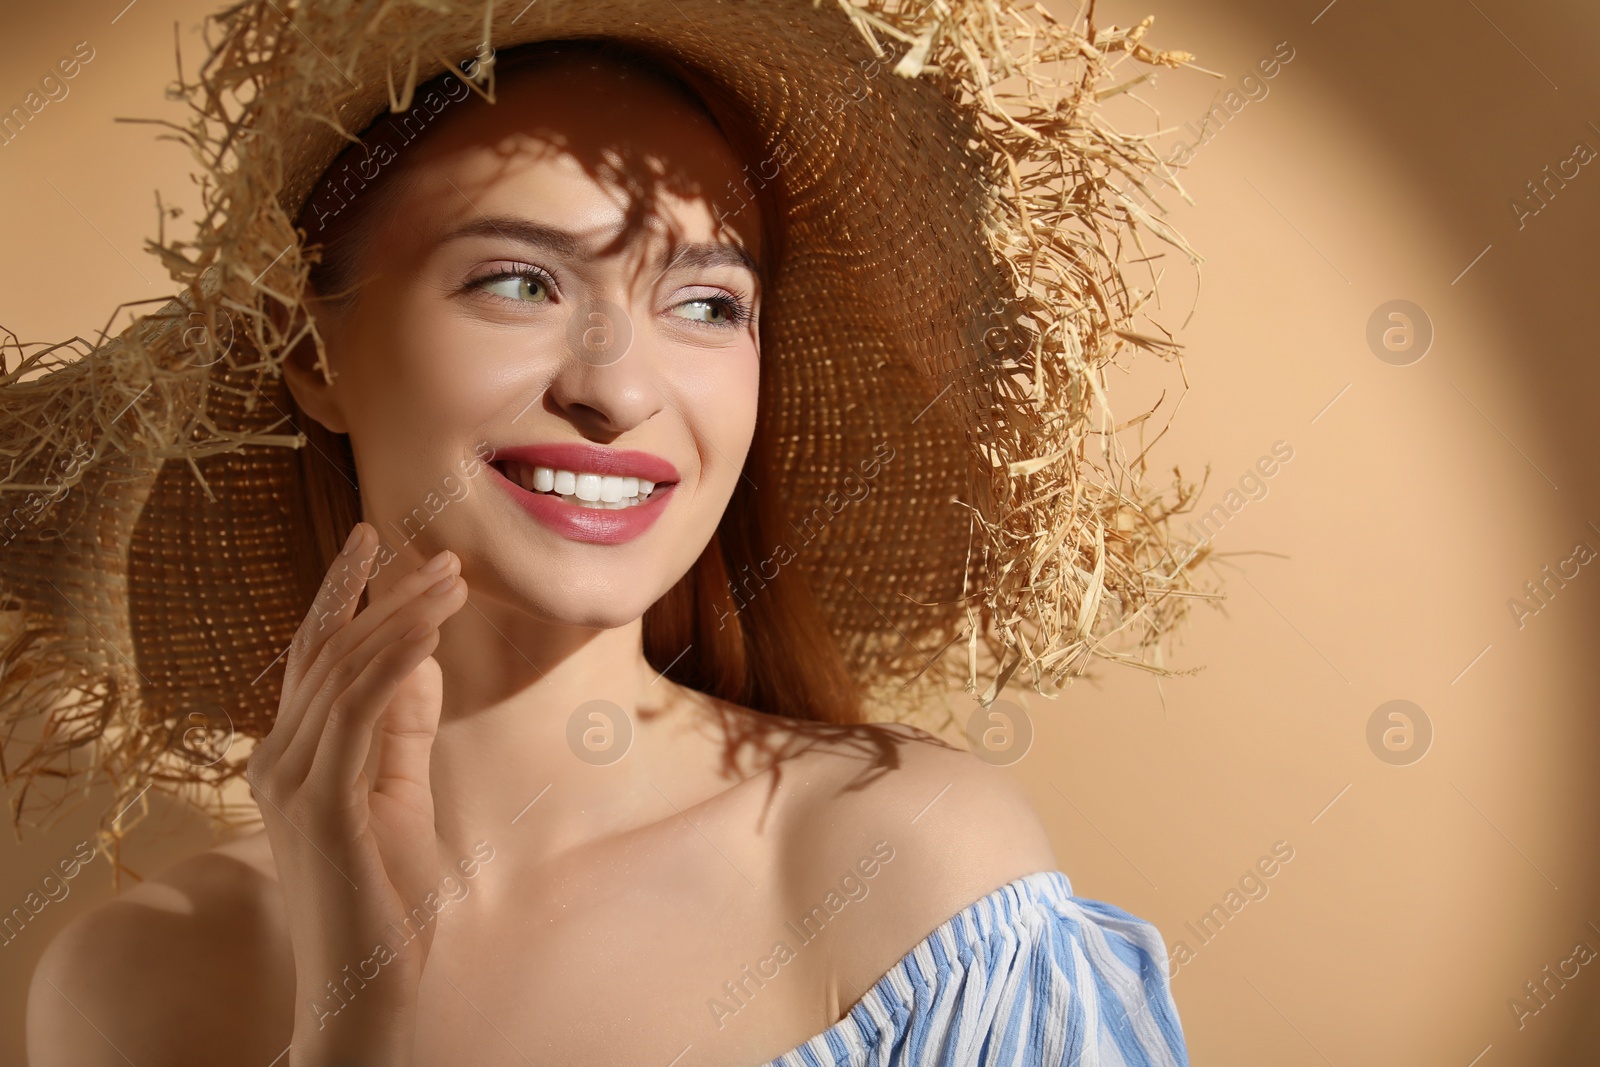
[{"x": 187, "y": 967}]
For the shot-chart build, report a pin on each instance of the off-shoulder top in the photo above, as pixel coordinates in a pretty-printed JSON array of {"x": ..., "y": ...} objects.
[{"x": 1028, "y": 976}]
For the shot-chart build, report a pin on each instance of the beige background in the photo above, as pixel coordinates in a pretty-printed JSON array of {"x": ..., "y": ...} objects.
[{"x": 1381, "y": 163}]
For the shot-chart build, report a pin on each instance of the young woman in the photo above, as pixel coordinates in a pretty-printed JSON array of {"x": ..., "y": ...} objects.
[{"x": 496, "y": 829}]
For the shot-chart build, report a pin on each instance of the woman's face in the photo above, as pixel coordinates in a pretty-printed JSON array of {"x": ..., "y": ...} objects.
[{"x": 562, "y": 285}]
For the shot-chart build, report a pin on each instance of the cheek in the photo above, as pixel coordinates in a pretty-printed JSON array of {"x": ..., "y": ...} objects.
[
  {"x": 720, "y": 402},
  {"x": 423, "y": 388},
  {"x": 745, "y": 395},
  {"x": 428, "y": 369}
]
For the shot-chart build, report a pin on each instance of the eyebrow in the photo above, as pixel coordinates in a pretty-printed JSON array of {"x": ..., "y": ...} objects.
[{"x": 566, "y": 243}]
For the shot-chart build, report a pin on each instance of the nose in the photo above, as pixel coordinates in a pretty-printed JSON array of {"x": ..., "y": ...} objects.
[{"x": 605, "y": 383}]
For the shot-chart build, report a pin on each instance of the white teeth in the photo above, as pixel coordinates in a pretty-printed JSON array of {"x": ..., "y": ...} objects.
[{"x": 609, "y": 491}]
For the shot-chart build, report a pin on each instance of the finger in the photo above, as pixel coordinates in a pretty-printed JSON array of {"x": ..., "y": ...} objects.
[
  {"x": 340, "y": 715},
  {"x": 333, "y": 606},
  {"x": 393, "y": 677},
  {"x": 330, "y": 610},
  {"x": 405, "y": 735},
  {"x": 380, "y": 608}
]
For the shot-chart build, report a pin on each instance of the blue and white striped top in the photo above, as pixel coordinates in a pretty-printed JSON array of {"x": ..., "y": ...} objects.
[{"x": 1028, "y": 976}]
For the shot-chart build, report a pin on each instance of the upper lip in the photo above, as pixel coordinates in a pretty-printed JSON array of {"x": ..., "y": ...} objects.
[{"x": 590, "y": 459}]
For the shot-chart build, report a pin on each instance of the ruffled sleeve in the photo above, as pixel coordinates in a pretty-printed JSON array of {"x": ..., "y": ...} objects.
[{"x": 1029, "y": 975}]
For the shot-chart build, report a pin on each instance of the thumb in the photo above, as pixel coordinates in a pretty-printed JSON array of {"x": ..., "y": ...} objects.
[{"x": 407, "y": 729}]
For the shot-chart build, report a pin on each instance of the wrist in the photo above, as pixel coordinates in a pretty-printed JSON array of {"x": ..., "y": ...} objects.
[
  {"x": 354, "y": 1023},
  {"x": 335, "y": 979},
  {"x": 367, "y": 1034}
]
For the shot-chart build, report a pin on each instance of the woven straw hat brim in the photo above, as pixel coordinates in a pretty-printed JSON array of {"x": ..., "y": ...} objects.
[{"x": 951, "y": 288}]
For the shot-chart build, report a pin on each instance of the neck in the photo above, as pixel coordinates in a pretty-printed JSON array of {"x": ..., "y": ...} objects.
[{"x": 535, "y": 714}]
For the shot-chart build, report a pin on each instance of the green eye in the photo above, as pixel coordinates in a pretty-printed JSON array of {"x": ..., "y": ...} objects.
[
  {"x": 704, "y": 310},
  {"x": 525, "y": 287},
  {"x": 713, "y": 310}
]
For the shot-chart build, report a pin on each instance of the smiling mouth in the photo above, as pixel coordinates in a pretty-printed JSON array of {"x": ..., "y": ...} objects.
[{"x": 584, "y": 489}]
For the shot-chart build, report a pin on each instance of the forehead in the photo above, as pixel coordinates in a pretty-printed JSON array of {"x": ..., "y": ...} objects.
[{"x": 591, "y": 146}]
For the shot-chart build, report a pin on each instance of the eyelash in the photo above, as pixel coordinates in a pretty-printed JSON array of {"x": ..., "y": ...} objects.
[{"x": 732, "y": 306}]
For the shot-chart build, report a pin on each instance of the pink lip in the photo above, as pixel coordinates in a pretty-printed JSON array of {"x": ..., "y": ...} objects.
[
  {"x": 590, "y": 459},
  {"x": 596, "y": 526}
]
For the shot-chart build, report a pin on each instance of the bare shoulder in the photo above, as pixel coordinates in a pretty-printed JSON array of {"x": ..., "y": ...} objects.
[
  {"x": 946, "y": 813},
  {"x": 190, "y": 966},
  {"x": 916, "y": 828}
]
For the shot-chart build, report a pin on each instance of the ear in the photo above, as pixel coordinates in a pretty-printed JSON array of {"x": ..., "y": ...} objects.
[{"x": 314, "y": 393}]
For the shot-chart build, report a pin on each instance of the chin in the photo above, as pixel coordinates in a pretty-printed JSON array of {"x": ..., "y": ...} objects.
[
  {"x": 575, "y": 597},
  {"x": 587, "y": 614}
]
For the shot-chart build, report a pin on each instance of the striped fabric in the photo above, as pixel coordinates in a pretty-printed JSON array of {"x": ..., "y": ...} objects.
[{"x": 1029, "y": 976}]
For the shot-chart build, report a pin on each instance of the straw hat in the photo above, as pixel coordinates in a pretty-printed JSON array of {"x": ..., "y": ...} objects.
[{"x": 957, "y": 217}]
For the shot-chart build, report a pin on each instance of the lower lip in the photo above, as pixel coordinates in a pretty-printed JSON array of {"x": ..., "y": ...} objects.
[{"x": 595, "y": 526}]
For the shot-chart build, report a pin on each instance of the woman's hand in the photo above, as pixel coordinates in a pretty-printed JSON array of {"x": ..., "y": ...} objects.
[{"x": 342, "y": 782}]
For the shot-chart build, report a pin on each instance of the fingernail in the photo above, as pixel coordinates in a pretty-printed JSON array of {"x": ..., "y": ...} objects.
[
  {"x": 437, "y": 563},
  {"x": 441, "y": 587},
  {"x": 351, "y": 541}
]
